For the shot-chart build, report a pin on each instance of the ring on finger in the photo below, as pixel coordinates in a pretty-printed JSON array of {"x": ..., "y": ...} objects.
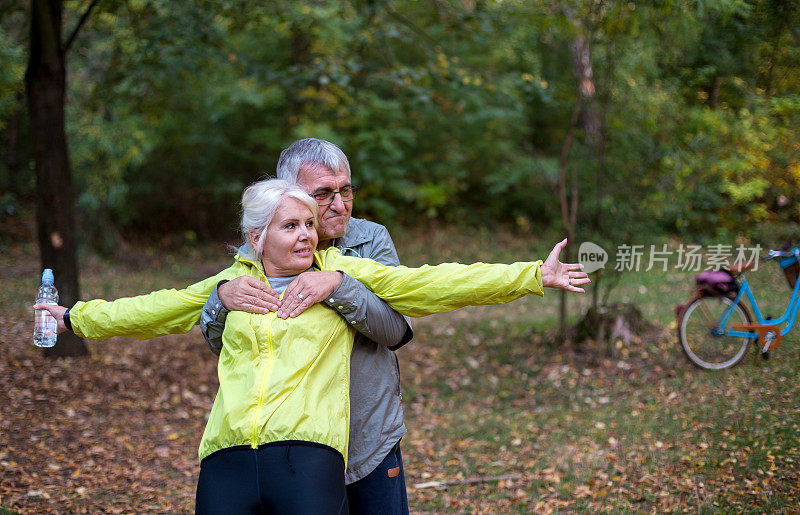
[{"x": 300, "y": 296}]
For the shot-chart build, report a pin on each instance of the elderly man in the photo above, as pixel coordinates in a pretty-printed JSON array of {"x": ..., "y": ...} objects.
[{"x": 375, "y": 479}]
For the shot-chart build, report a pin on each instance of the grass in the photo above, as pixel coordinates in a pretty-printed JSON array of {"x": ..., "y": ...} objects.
[{"x": 487, "y": 392}]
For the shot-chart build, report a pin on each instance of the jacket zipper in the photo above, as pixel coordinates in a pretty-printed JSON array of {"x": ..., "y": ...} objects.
[{"x": 270, "y": 317}]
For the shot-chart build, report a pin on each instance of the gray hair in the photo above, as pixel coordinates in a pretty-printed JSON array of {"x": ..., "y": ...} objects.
[
  {"x": 260, "y": 202},
  {"x": 310, "y": 152}
]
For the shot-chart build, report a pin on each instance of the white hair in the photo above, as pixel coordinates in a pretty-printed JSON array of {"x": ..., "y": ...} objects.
[
  {"x": 310, "y": 152},
  {"x": 260, "y": 202}
]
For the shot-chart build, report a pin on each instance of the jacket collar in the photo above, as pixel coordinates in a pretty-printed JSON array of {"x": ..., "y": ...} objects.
[
  {"x": 245, "y": 254},
  {"x": 356, "y": 234}
]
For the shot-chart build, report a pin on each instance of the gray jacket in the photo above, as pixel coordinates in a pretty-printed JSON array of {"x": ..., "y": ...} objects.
[{"x": 376, "y": 413}]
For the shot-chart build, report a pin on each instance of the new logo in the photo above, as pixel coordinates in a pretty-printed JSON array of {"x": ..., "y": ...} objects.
[{"x": 592, "y": 257}]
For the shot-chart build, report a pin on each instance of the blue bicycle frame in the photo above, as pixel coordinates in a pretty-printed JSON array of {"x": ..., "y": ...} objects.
[{"x": 788, "y": 316}]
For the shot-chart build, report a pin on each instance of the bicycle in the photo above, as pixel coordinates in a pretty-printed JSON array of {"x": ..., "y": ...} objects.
[{"x": 715, "y": 327}]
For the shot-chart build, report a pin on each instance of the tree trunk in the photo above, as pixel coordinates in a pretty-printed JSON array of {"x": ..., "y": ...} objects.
[
  {"x": 590, "y": 122},
  {"x": 569, "y": 211},
  {"x": 586, "y": 114},
  {"x": 45, "y": 81},
  {"x": 584, "y": 76}
]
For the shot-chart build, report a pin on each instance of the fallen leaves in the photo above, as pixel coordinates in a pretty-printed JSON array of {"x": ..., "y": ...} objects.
[
  {"x": 486, "y": 396},
  {"x": 589, "y": 433},
  {"x": 116, "y": 432}
]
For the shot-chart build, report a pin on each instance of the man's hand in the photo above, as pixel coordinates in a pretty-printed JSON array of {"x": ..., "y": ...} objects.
[
  {"x": 57, "y": 312},
  {"x": 247, "y": 293},
  {"x": 563, "y": 276},
  {"x": 308, "y": 289}
]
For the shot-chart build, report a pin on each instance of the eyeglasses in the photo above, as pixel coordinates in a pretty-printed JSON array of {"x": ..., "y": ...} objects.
[{"x": 325, "y": 198}]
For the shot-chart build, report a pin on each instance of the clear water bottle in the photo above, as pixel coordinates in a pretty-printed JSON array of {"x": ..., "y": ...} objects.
[{"x": 44, "y": 330}]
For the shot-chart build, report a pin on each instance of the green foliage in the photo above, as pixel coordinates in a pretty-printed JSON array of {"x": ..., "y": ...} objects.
[
  {"x": 455, "y": 110},
  {"x": 14, "y": 183},
  {"x": 12, "y": 70}
]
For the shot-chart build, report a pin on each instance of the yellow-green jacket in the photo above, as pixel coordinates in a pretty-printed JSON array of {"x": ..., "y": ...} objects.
[{"x": 289, "y": 379}]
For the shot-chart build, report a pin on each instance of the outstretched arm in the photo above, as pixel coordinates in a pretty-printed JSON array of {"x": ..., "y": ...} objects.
[
  {"x": 145, "y": 316},
  {"x": 436, "y": 289}
]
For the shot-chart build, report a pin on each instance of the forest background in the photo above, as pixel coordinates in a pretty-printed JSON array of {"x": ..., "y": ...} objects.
[
  {"x": 611, "y": 122},
  {"x": 672, "y": 118}
]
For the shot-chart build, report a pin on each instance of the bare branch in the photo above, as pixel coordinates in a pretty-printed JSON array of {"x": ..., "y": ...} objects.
[{"x": 77, "y": 29}]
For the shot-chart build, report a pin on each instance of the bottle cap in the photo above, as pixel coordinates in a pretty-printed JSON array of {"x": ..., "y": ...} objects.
[{"x": 47, "y": 276}]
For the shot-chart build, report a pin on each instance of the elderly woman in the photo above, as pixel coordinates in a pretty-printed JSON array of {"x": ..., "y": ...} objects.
[{"x": 276, "y": 438}]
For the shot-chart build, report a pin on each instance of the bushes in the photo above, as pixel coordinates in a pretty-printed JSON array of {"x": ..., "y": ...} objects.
[{"x": 445, "y": 111}]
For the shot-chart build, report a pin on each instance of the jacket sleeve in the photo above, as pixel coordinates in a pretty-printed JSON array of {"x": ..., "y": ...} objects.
[
  {"x": 364, "y": 310},
  {"x": 145, "y": 316},
  {"x": 429, "y": 289},
  {"x": 212, "y": 320}
]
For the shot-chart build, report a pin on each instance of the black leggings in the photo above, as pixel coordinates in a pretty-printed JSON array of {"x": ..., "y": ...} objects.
[{"x": 281, "y": 477}]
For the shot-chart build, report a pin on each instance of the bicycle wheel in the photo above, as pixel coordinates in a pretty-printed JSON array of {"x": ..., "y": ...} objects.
[{"x": 699, "y": 340}]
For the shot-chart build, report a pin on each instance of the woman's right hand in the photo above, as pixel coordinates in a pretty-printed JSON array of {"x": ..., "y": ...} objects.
[{"x": 57, "y": 312}]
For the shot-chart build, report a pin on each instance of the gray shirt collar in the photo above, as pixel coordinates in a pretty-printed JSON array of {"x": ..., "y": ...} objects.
[{"x": 356, "y": 234}]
